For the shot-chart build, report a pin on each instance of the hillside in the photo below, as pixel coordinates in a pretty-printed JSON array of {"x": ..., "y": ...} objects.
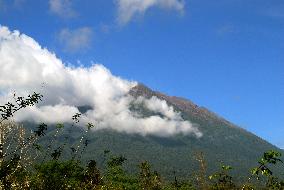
[{"x": 222, "y": 142}]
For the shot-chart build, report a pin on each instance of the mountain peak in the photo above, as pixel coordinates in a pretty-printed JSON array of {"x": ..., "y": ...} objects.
[
  {"x": 181, "y": 104},
  {"x": 141, "y": 90}
]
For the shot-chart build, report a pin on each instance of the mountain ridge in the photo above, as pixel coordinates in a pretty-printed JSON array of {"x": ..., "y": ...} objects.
[
  {"x": 180, "y": 102},
  {"x": 221, "y": 143},
  {"x": 186, "y": 105}
]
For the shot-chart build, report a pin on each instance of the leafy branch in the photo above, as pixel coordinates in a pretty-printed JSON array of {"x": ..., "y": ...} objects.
[{"x": 8, "y": 110}]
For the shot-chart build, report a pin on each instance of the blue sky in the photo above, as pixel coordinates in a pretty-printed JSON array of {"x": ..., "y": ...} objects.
[{"x": 226, "y": 55}]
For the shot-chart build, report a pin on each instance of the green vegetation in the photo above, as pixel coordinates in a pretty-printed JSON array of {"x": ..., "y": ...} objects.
[{"x": 50, "y": 158}]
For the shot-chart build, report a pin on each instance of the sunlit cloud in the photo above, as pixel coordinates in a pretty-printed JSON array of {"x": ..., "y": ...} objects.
[
  {"x": 128, "y": 9},
  {"x": 27, "y": 67}
]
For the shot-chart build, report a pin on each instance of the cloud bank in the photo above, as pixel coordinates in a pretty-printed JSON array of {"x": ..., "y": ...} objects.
[
  {"x": 127, "y": 9},
  {"x": 27, "y": 67}
]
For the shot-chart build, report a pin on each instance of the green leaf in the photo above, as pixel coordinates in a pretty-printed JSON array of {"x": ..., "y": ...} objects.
[{"x": 59, "y": 126}]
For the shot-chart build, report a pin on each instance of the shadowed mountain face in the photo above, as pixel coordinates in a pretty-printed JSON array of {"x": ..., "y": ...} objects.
[{"x": 222, "y": 142}]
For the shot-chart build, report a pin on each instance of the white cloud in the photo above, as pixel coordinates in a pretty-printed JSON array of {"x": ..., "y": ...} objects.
[
  {"x": 62, "y": 8},
  {"x": 48, "y": 114},
  {"x": 25, "y": 66},
  {"x": 127, "y": 9},
  {"x": 75, "y": 40}
]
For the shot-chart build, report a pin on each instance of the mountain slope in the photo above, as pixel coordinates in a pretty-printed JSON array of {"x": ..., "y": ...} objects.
[{"x": 222, "y": 142}]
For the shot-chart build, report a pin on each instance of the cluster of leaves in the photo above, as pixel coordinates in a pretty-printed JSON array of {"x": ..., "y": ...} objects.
[
  {"x": 222, "y": 180},
  {"x": 263, "y": 170}
]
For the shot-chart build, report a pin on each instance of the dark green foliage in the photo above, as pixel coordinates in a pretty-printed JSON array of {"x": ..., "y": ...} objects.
[
  {"x": 116, "y": 161},
  {"x": 92, "y": 176},
  {"x": 222, "y": 180},
  {"x": 268, "y": 159},
  {"x": 175, "y": 153},
  {"x": 41, "y": 130},
  {"x": 7, "y": 171},
  {"x": 149, "y": 180},
  {"x": 56, "y": 153},
  {"x": 117, "y": 177},
  {"x": 56, "y": 174}
]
